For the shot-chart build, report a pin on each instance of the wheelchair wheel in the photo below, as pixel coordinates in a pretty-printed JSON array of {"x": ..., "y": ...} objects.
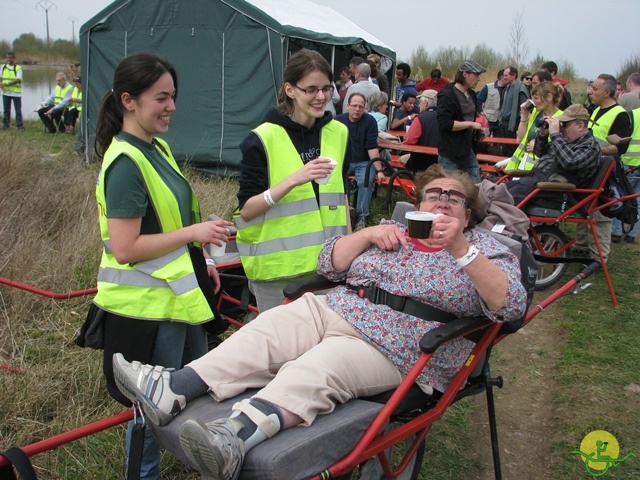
[
  {"x": 549, "y": 240},
  {"x": 372, "y": 470}
]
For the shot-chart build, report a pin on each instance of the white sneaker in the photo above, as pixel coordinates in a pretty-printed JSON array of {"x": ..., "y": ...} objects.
[
  {"x": 214, "y": 447},
  {"x": 149, "y": 386}
]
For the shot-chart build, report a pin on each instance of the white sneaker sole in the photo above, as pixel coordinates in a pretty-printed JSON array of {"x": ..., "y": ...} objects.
[{"x": 194, "y": 439}]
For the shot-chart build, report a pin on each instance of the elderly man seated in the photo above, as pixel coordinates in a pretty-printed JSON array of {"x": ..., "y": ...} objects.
[
  {"x": 573, "y": 154},
  {"x": 318, "y": 351}
]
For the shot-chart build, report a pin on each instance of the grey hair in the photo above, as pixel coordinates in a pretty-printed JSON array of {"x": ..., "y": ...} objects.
[{"x": 364, "y": 69}]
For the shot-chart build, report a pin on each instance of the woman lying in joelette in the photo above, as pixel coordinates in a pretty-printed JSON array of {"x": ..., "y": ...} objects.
[{"x": 320, "y": 350}]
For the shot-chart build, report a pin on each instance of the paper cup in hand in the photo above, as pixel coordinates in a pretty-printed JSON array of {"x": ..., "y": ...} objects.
[
  {"x": 419, "y": 223},
  {"x": 215, "y": 251},
  {"x": 324, "y": 180}
]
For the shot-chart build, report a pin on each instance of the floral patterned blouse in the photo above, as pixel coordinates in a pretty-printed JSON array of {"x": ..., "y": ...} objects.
[{"x": 431, "y": 277}]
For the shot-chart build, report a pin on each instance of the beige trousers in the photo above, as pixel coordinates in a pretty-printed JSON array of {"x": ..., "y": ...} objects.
[{"x": 303, "y": 356}]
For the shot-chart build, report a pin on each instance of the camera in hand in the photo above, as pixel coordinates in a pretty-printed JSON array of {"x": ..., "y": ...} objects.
[{"x": 541, "y": 123}]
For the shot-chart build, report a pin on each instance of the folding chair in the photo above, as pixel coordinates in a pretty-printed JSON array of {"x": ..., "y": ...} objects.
[
  {"x": 365, "y": 436},
  {"x": 555, "y": 203}
]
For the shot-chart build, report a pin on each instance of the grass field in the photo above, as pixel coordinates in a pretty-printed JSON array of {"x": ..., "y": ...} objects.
[{"x": 49, "y": 238}]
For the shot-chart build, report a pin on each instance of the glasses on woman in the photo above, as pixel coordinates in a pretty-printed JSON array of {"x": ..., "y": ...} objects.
[
  {"x": 327, "y": 90},
  {"x": 527, "y": 78},
  {"x": 452, "y": 197}
]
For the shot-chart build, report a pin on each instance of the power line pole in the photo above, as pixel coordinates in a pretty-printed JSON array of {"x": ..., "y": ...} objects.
[
  {"x": 46, "y": 5},
  {"x": 73, "y": 21}
]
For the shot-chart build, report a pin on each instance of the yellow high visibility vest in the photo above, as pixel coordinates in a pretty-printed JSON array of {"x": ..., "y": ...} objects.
[
  {"x": 285, "y": 241},
  {"x": 9, "y": 75},
  {"x": 516, "y": 161},
  {"x": 632, "y": 157},
  {"x": 164, "y": 288},
  {"x": 601, "y": 129}
]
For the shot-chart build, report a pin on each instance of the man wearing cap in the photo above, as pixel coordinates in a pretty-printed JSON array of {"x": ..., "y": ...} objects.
[
  {"x": 424, "y": 131},
  {"x": 456, "y": 114},
  {"x": 572, "y": 155}
]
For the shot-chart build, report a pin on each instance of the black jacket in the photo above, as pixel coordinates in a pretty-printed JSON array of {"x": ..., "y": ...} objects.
[{"x": 455, "y": 146}]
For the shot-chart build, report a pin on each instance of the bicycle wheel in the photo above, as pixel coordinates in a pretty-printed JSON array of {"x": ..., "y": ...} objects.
[
  {"x": 372, "y": 470},
  {"x": 547, "y": 241}
]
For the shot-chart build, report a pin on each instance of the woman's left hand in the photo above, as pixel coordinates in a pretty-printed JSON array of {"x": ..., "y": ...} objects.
[{"x": 447, "y": 232}]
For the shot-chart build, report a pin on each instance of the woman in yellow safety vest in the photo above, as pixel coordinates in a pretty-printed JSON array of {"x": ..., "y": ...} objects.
[
  {"x": 74, "y": 107},
  {"x": 545, "y": 98},
  {"x": 286, "y": 208},
  {"x": 155, "y": 289}
]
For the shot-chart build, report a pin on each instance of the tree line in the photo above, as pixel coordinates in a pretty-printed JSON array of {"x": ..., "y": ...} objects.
[{"x": 31, "y": 49}]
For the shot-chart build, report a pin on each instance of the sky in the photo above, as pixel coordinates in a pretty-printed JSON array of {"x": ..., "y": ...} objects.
[{"x": 564, "y": 30}]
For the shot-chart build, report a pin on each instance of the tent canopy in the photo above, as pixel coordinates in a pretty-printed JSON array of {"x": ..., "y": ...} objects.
[{"x": 230, "y": 56}]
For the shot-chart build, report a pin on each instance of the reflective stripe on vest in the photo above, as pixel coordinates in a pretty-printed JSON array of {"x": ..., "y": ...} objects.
[
  {"x": 9, "y": 75},
  {"x": 164, "y": 288},
  {"x": 77, "y": 95},
  {"x": 632, "y": 156},
  {"x": 285, "y": 241},
  {"x": 518, "y": 155},
  {"x": 60, "y": 92},
  {"x": 601, "y": 127}
]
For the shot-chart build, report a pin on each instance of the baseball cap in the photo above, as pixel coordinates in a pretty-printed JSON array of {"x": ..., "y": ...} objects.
[
  {"x": 471, "y": 66},
  {"x": 428, "y": 95},
  {"x": 574, "y": 112}
]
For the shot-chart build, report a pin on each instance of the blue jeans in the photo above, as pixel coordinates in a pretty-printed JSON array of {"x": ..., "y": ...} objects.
[
  {"x": 365, "y": 192},
  {"x": 616, "y": 225},
  {"x": 17, "y": 106},
  {"x": 177, "y": 344},
  {"x": 470, "y": 166}
]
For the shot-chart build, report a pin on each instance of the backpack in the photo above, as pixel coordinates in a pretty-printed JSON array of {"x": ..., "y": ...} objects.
[{"x": 618, "y": 186}]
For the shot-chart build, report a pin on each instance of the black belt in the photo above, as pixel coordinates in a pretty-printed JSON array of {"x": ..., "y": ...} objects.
[{"x": 402, "y": 304}]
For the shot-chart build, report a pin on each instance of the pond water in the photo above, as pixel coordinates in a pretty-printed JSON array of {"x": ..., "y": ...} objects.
[{"x": 37, "y": 84}]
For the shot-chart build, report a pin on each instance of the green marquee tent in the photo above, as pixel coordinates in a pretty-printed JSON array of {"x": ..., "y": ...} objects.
[{"x": 229, "y": 54}]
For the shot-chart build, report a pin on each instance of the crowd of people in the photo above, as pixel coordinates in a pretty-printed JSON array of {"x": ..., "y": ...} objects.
[
  {"x": 59, "y": 112},
  {"x": 157, "y": 284}
]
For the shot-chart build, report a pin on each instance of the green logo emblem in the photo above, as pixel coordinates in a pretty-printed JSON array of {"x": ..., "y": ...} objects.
[{"x": 600, "y": 451}]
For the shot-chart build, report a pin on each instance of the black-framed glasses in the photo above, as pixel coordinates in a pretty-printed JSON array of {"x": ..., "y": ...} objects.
[
  {"x": 451, "y": 196},
  {"x": 328, "y": 90}
]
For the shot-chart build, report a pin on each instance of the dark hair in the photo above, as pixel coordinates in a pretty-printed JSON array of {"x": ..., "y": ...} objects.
[
  {"x": 77, "y": 79},
  {"x": 405, "y": 68},
  {"x": 356, "y": 61},
  {"x": 609, "y": 83},
  {"x": 300, "y": 64},
  {"x": 524, "y": 75},
  {"x": 512, "y": 70},
  {"x": 357, "y": 94},
  {"x": 436, "y": 73},
  {"x": 500, "y": 74},
  {"x": 11, "y": 54},
  {"x": 435, "y": 172},
  {"x": 550, "y": 66},
  {"x": 543, "y": 76},
  {"x": 134, "y": 75},
  {"x": 407, "y": 96}
]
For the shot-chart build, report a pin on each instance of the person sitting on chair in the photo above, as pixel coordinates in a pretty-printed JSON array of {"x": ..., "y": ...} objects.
[
  {"x": 573, "y": 154},
  {"x": 321, "y": 350}
]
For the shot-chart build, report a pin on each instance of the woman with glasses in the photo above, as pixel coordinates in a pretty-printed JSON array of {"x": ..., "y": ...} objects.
[
  {"x": 543, "y": 104},
  {"x": 321, "y": 350},
  {"x": 286, "y": 208}
]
